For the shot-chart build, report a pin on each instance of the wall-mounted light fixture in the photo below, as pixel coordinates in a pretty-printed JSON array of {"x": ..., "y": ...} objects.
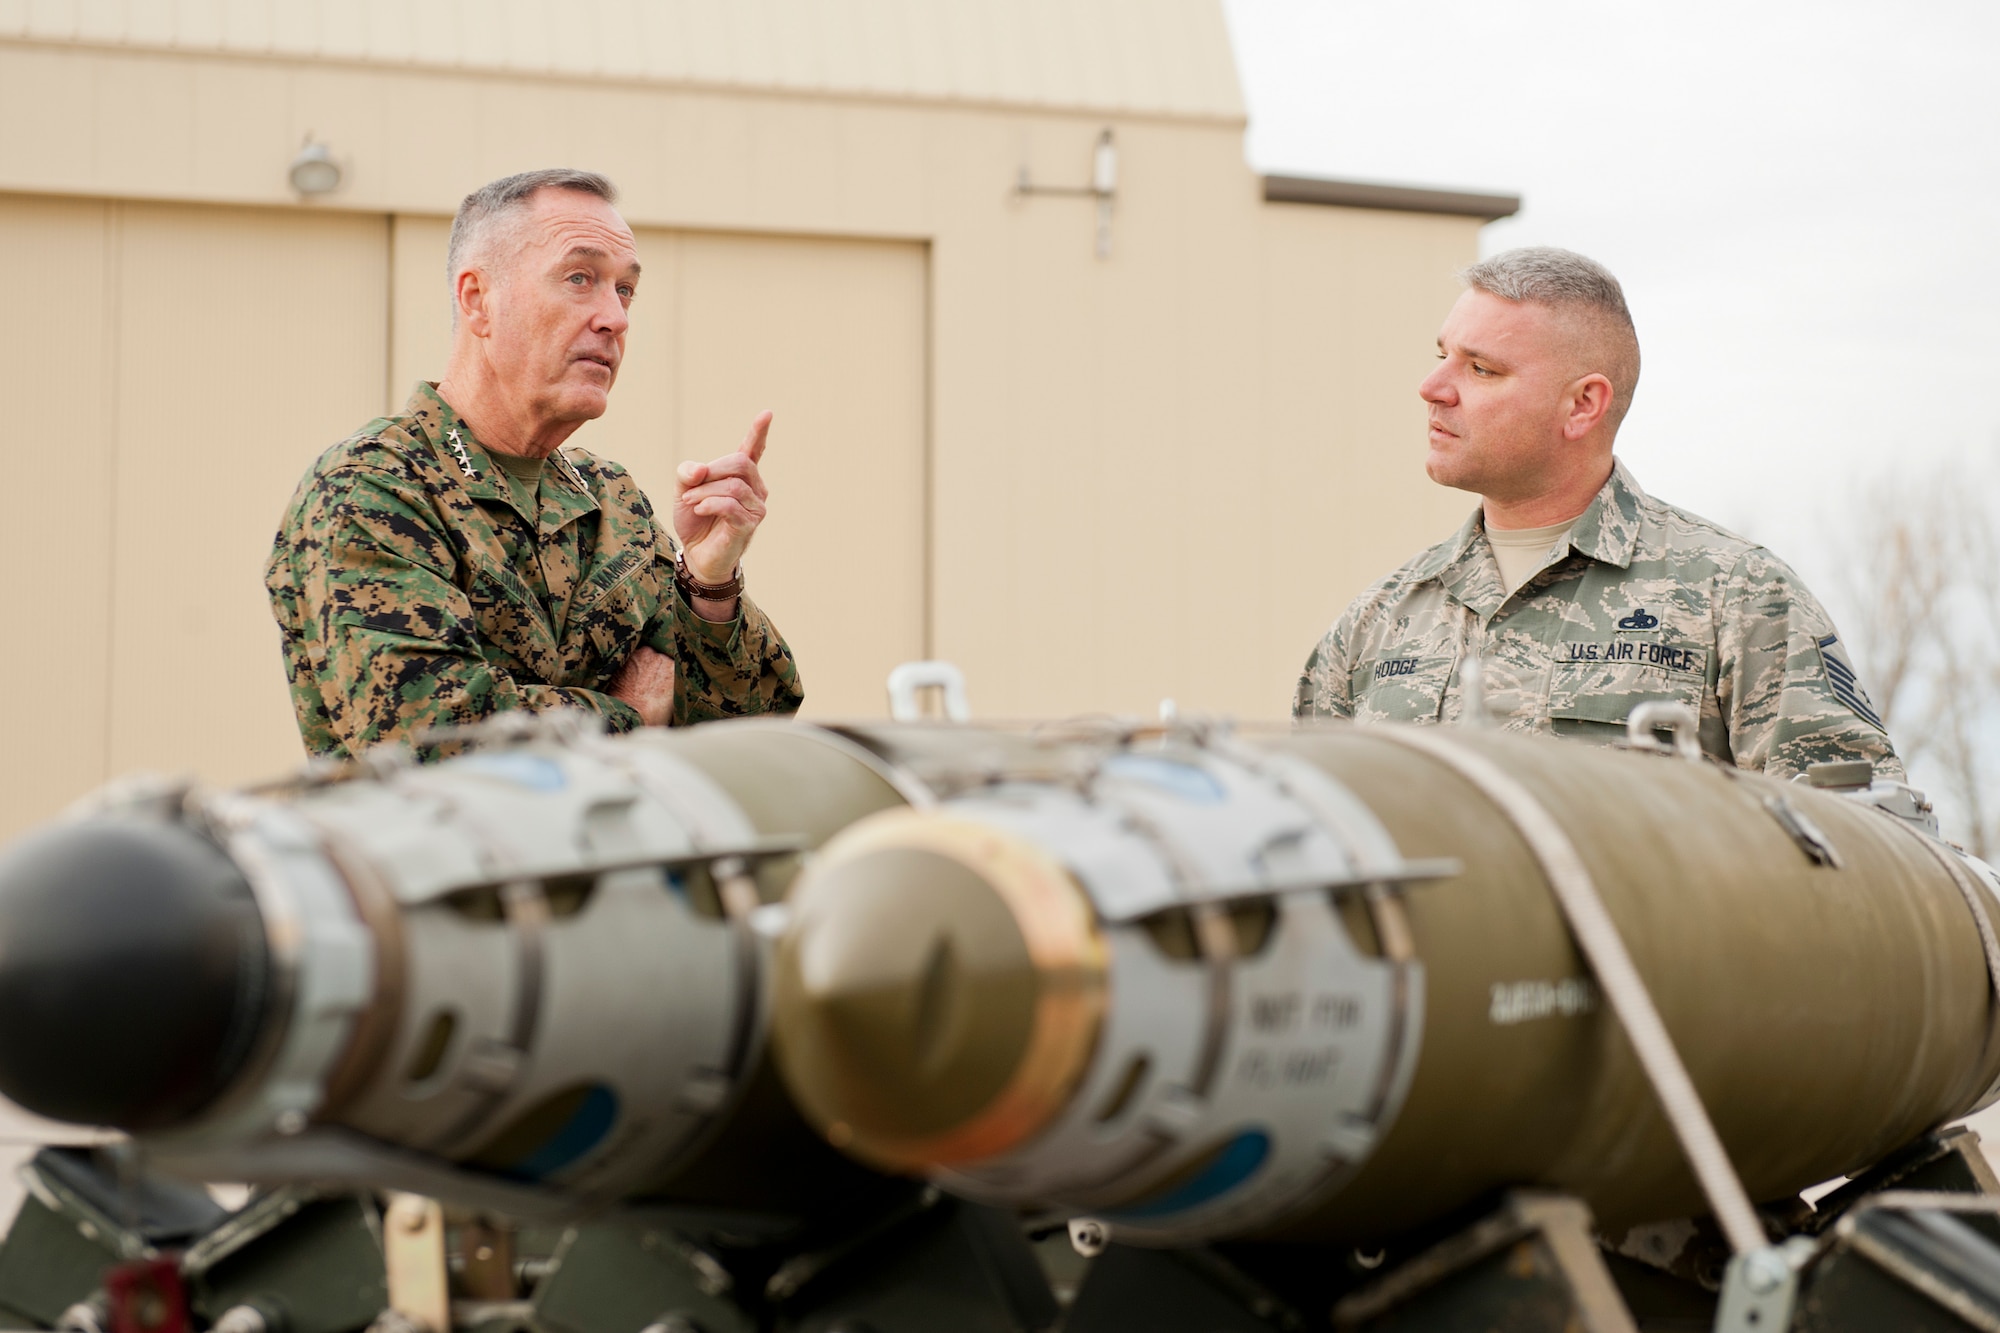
[
  {"x": 313, "y": 170},
  {"x": 1103, "y": 187}
]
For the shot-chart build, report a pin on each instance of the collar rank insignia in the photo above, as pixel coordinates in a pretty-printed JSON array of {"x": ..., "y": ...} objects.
[
  {"x": 1639, "y": 620},
  {"x": 1845, "y": 684},
  {"x": 458, "y": 449}
]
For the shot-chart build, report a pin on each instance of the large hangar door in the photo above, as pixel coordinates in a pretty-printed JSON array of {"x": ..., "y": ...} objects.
[
  {"x": 184, "y": 368},
  {"x": 829, "y": 334},
  {"x": 248, "y": 341},
  {"x": 55, "y": 546}
]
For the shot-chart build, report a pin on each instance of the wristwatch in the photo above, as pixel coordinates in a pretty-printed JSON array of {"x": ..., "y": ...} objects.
[{"x": 692, "y": 587}]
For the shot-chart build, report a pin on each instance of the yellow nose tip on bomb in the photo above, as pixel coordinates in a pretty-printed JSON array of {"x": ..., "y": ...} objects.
[{"x": 938, "y": 991}]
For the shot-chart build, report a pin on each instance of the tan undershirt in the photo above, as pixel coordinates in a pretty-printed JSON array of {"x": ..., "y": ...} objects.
[
  {"x": 524, "y": 478},
  {"x": 1523, "y": 551}
]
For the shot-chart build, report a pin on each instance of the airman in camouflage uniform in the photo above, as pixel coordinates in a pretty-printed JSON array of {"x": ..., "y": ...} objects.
[
  {"x": 1640, "y": 601},
  {"x": 1630, "y": 599},
  {"x": 462, "y": 558},
  {"x": 415, "y": 590}
]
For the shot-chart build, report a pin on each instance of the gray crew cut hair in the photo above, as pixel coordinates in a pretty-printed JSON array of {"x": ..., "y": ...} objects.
[
  {"x": 510, "y": 194},
  {"x": 1581, "y": 288}
]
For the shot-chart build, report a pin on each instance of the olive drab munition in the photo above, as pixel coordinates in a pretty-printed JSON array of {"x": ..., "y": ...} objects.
[{"x": 1099, "y": 1025}]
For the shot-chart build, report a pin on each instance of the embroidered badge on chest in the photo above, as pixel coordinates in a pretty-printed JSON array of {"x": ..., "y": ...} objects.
[
  {"x": 1640, "y": 619},
  {"x": 458, "y": 449}
]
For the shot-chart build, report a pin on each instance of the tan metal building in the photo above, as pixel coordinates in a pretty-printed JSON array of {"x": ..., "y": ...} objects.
[{"x": 1092, "y": 480}]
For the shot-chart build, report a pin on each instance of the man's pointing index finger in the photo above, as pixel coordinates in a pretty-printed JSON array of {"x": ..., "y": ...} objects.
[{"x": 753, "y": 443}]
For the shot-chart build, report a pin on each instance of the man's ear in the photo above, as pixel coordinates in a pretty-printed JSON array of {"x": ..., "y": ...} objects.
[
  {"x": 471, "y": 295},
  {"x": 1589, "y": 403}
]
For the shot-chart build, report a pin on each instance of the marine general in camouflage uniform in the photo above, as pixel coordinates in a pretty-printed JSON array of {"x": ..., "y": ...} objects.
[
  {"x": 1581, "y": 595},
  {"x": 460, "y": 558}
]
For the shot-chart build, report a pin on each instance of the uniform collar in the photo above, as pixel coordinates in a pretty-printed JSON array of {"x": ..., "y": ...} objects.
[
  {"x": 463, "y": 457},
  {"x": 1608, "y": 532}
]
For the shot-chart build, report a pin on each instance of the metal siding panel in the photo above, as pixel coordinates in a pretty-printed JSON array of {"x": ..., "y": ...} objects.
[
  {"x": 796, "y": 46},
  {"x": 662, "y": 41},
  {"x": 145, "y": 121},
  {"x": 947, "y": 53},
  {"x": 248, "y": 341},
  {"x": 98, "y": 20},
  {"x": 568, "y": 40},
  {"x": 198, "y": 25},
  {"x": 295, "y": 27},
  {"x": 1050, "y": 59},
  {"x": 483, "y": 33},
  {"x": 53, "y": 151},
  {"x": 706, "y": 53},
  {"x": 1138, "y": 60},
  {"x": 246, "y": 24},
  {"x": 155, "y": 24},
  {"x": 48, "y": 19},
  {"x": 433, "y": 27},
  {"x": 224, "y": 140},
  {"x": 621, "y": 39},
  {"x": 1145, "y": 55},
  {"x": 55, "y": 545},
  {"x": 343, "y": 29},
  {"x": 385, "y": 33},
  {"x": 742, "y": 52}
]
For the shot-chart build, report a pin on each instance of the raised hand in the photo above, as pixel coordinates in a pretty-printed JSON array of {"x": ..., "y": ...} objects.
[{"x": 718, "y": 505}]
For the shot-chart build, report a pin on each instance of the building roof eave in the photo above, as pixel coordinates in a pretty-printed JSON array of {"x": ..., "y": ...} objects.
[{"x": 1334, "y": 193}]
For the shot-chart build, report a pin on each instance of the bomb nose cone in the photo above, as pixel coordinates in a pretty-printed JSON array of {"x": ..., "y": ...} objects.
[
  {"x": 938, "y": 993},
  {"x": 133, "y": 972}
]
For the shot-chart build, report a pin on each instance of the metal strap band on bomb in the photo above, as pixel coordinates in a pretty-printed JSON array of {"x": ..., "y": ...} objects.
[{"x": 1597, "y": 938}]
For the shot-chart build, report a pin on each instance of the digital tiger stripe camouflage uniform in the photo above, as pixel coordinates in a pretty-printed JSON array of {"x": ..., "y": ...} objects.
[
  {"x": 414, "y": 590},
  {"x": 1641, "y": 601}
]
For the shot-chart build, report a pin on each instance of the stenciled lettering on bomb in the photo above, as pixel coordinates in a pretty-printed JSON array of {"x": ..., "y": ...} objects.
[
  {"x": 1284, "y": 1012},
  {"x": 1288, "y": 1016},
  {"x": 1266, "y": 1068},
  {"x": 1524, "y": 1001}
]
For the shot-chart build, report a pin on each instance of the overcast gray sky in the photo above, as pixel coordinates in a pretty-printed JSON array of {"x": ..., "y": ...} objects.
[{"x": 1801, "y": 199}]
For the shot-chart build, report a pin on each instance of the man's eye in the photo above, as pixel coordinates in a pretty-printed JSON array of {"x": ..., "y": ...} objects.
[
  {"x": 578, "y": 279},
  {"x": 1478, "y": 369},
  {"x": 628, "y": 292}
]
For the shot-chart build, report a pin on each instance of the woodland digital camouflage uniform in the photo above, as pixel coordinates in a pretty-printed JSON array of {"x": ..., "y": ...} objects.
[
  {"x": 413, "y": 590},
  {"x": 1641, "y": 601}
]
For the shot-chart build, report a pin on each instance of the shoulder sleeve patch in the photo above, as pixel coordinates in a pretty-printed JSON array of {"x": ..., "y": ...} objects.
[{"x": 1845, "y": 684}]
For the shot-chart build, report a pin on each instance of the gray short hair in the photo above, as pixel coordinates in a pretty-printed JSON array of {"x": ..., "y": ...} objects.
[
  {"x": 509, "y": 194},
  {"x": 1567, "y": 281}
]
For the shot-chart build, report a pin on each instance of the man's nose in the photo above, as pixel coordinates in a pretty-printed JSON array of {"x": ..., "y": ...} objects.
[
  {"x": 1436, "y": 386},
  {"x": 610, "y": 315}
]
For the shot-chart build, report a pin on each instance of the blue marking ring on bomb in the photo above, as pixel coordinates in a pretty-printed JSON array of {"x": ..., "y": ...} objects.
[{"x": 1219, "y": 1171}]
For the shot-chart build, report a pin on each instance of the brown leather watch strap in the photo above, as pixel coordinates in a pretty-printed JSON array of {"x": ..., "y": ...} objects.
[{"x": 692, "y": 587}]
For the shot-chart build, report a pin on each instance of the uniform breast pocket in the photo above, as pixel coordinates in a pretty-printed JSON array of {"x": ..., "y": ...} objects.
[
  {"x": 513, "y": 634},
  {"x": 617, "y": 619},
  {"x": 1403, "y": 685},
  {"x": 1591, "y": 700}
]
